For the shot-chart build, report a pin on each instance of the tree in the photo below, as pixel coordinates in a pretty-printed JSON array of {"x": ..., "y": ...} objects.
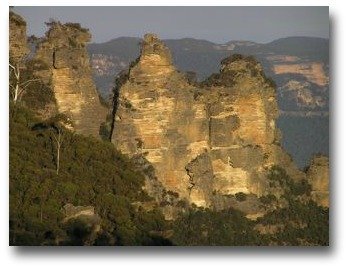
[
  {"x": 55, "y": 126},
  {"x": 18, "y": 86}
]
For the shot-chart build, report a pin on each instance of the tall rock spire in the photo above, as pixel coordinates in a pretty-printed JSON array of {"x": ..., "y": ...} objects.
[
  {"x": 154, "y": 65},
  {"x": 205, "y": 142},
  {"x": 64, "y": 51},
  {"x": 18, "y": 38}
]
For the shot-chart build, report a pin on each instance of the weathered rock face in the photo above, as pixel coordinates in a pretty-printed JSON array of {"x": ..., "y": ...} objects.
[
  {"x": 63, "y": 50},
  {"x": 313, "y": 71},
  {"x": 18, "y": 38},
  {"x": 218, "y": 137},
  {"x": 318, "y": 177},
  {"x": 86, "y": 217},
  {"x": 243, "y": 137},
  {"x": 303, "y": 83}
]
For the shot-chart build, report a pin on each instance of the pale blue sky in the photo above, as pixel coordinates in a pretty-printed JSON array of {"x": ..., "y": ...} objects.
[{"x": 217, "y": 24}]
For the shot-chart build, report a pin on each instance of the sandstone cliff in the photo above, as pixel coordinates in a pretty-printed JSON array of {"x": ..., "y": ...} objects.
[
  {"x": 17, "y": 38},
  {"x": 68, "y": 71},
  {"x": 207, "y": 140},
  {"x": 318, "y": 177}
]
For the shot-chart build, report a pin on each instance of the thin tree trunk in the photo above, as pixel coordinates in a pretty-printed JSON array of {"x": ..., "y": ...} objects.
[
  {"x": 41, "y": 213},
  {"x": 58, "y": 156},
  {"x": 19, "y": 87},
  {"x": 15, "y": 98},
  {"x": 16, "y": 88}
]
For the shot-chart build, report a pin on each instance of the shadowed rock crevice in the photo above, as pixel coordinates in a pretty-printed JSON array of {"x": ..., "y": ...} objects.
[{"x": 110, "y": 119}]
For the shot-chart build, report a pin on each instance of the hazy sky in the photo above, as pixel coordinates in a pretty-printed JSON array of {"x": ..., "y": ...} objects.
[{"x": 217, "y": 24}]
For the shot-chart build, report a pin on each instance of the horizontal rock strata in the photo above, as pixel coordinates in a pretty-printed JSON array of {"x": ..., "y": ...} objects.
[
  {"x": 217, "y": 137},
  {"x": 63, "y": 50}
]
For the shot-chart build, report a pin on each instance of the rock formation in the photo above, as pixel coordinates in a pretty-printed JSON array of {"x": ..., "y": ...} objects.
[
  {"x": 204, "y": 140},
  {"x": 313, "y": 71},
  {"x": 18, "y": 38},
  {"x": 303, "y": 83},
  {"x": 84, "y": 218},
  {"x": 68, "y": 71},
  {"x": 318, "y": 177}
]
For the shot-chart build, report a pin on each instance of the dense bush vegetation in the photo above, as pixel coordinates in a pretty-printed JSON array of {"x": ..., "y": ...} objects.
[
  {"x": 91, "y": 172},
  {"x": 199, "y": 227},
  {"x": 300, "y": 224},
  {"x": 301, "y": 221}
]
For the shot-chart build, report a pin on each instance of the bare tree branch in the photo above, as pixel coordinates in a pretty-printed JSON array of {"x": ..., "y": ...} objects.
[
  {"x": 19, "y": 87},
  {"x": 25, "y": 84},
  {"x": 14, "y": 68}
]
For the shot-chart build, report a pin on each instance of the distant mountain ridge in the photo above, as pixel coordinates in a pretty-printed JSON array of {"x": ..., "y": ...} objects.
[
  {"x": 303, "y": 59},
  {"x": 296, "y": 46},
  {"x": 298, "y": 65}
]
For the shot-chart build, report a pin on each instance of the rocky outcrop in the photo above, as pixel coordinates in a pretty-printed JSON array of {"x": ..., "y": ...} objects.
[
  {"x": 216, "y": 137},
  {"x": 17, "y": 38},
  {"x": 83, "y": 222},
  {"x": 303, "y": 83},
  {"x": 302, "y": 93},
  {"x": 318, "y": 177},
  {"x": 63, "y": 51},
  {"x": 73, "y": 212},
  {"x": 313, "y": 71},
  {"x": 298, "y": 60}
]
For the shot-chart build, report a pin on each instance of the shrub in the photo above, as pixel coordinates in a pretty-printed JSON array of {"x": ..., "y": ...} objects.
[{"x": 241, "y": 196}]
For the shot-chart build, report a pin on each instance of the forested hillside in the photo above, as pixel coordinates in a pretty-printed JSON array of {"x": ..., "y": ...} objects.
[
  {"x": 169, "y": 162},
  {"x": 93, "y": 173}
]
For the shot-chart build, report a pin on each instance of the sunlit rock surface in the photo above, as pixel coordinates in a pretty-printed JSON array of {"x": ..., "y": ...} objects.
[
  {"x": 63, "y": 50},
  {"x": 218, "y": 136},
  {"x": 17, "y": 38}
]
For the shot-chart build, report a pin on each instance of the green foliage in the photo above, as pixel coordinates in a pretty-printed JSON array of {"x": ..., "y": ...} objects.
[
  {"x": 228, "y": 78},
  {"x": 92, "y": 173},
  {"x": 278, "y": 176},
  {"x": 18, "y": 20},
  {"x": 241, "y": 196},
  {"x": 270, "y": 82},
  {"x": 104, "y": 131},
  {"x": 303, "y": 224},
  {"x": 76, "y": 26},
  {"x": 198, "y": 227},
  {"x": 268, "y": 199},
  {"x": 78, "y": 232},
  {"x": 37, "y": 94},
  {"x": 128, "y": 104},
  {"x": 237, "y": 57},
  {"x": 73, "y": 44}
]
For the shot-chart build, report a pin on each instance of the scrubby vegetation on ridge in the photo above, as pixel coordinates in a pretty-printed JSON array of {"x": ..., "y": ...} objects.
[
  {"x": 92, "y": 172},
  {"x": 17, "y": 19},
  {"x": 56, "y": 174},
  {"x": 298, "y": 222},
  {"x": 228, "y": 78}
]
